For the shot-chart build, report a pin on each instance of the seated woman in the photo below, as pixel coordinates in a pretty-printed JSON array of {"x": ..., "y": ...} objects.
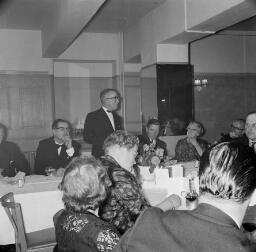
[
  {"x": 12, "y": 159},
  {"x": 191, "y": 147},
  {"x": 78, "y": 227},
  {"x": 125, "y": 201}
]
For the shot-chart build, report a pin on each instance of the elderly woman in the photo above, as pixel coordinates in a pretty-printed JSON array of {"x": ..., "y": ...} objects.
[
  {"x": 125, "y": 201},
  {"x": 191, "y": 147},
  {"x": 78, "y": 227}
]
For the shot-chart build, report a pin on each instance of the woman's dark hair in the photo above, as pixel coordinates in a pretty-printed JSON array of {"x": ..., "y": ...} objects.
[{"x": 228, "y": 171}]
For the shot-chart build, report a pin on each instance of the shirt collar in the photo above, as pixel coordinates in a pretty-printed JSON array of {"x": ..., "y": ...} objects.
[
  {"x": 215, "y": 214},
  {"x": 106, "y": 110}
]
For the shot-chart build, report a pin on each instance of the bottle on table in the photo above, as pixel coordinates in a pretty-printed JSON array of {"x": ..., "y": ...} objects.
[
  {"x": 12, "y": 169},
  {"x": 192, "y": 196}
]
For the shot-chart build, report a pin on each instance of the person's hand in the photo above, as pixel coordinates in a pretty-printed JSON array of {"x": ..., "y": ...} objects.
[
  {"x": 68, "y": 141},
  {"x": 175, "y": 201},
  {"x": 170, "y": 203},
  {"x": 60, "y": 172}
]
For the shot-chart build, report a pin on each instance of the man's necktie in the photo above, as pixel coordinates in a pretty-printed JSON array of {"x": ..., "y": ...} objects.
[{"x": 59, "y": 148}]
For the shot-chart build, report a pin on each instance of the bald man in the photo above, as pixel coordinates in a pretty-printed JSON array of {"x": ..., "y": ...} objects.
[
  {"x": 250, "y": 129},
  {"x": 236, "y": 133}
]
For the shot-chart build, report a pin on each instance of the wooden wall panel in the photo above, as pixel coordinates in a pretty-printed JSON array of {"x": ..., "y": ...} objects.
[
  {"x": 26, "y": 107},
  {"x": 32, "y": 116},
  {"x": 4, "y": 114},
  {"x": 133, "y": 109}
]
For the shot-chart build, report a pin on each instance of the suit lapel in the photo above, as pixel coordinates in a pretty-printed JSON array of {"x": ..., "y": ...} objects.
[{"x": 105, "y": 116}]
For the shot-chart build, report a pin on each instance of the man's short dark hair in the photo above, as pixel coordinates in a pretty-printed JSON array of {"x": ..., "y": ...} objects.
[
  {"x": 105, "y": 91},
  {"x": 228, "y": 171},
  {"x": 57, "y": 121},
  {"x": 153, "y": 122}
]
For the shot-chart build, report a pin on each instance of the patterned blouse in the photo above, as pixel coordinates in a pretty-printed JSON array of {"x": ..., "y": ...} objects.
[
  {"x": 125, "y": 201},
  {"x": 83, "y": 231},
  {"x": 185, "y": 151}
]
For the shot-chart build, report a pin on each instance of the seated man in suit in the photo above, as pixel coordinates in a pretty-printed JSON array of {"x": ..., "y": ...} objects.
[
  {"x": 236, "y": 133},
  {"x": 227, "y": 184},
  {"x": 57, "y": 151},
  {"x": 11, "y": 158},
  {"x": 101, "y": 123},
  {"x": 151, "y": 137}
]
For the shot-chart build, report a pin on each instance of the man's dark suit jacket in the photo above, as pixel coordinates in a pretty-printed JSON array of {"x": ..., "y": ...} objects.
[
  {"x": 47, "y": 155},
  {"x": 10, "y": 152},
  {"x": 97, "y": 127},
  {"x": 205, "y": 229},
  {"x": 144, "y": 139}
]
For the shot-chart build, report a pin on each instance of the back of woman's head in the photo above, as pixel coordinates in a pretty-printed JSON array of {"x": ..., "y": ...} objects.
[
  {"x": 84, "y": 184},
  {"x": 121, "y": 138},
  {"x": 228, "y": 171}
]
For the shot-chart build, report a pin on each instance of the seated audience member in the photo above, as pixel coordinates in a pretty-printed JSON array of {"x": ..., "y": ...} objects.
[
  {"x": 11, "y": 158},
  {"x": 125, "y": 200},
  {"x": 78, "y": 227},
  {"x": 191, "y": 147},
  {"x": 236, "y": 133},
  {"x": 227, "y": 182},
  {"x": 250, "y": 130},
  {"x": 174, "y": 127},
  {"x": 57, "y": 151},
  {"x": 151, "y": 137}
]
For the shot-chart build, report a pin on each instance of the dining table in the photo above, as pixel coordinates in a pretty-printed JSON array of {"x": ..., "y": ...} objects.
[{"x": 40, "y": 199}]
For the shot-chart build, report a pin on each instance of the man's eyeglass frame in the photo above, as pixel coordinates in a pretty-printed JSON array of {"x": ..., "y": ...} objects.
[{"x": 116, "y": 98}]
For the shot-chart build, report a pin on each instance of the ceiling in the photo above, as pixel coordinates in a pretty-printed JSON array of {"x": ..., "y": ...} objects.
[{"x": 114, "y": 16}]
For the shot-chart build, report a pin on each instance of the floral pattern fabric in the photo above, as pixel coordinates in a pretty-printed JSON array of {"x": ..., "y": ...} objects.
[
  {"x": 125, "y": 200},
  {"x": 185, "y": 151},
  {"x": 83, "y": 231}
]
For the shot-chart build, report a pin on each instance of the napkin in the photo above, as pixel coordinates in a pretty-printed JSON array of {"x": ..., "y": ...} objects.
[
  {"x": 162, "y": 176},
  {"x": 177, "y": 170}
]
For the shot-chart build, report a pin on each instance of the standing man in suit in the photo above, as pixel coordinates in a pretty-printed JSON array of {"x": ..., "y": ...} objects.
[
  {"x": 57, "y": 151},
  {"x": 102, "y": 122}
]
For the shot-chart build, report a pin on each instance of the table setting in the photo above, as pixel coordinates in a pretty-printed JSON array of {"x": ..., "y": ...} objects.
[{"x": 39, "y": 197}]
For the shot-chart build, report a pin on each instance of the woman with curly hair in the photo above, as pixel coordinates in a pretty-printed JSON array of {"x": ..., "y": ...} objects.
[
  {"x": 125, "y": 200},
  {"x": 78, "y": 227}
]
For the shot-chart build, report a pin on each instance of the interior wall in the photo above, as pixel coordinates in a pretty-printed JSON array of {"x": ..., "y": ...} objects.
[
  {"x": 225, "y": 98},
  {"x": 218, "y": 54},
  {"x": 229, "y": 65},
  {"x": 75, "y": 97},
  {"x": 21, "y": 50},
  {"x": 148, "y": 93},
  {"x": 77, "y": 86}
]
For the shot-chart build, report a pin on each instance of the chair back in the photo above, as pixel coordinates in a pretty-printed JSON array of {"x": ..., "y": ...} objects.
[
  {"x": 30, "y": 156},
  {"x": 14, "y": 213}
]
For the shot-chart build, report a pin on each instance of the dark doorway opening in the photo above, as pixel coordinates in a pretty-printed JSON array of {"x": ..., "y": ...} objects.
[{"x": 175, "y": 92}]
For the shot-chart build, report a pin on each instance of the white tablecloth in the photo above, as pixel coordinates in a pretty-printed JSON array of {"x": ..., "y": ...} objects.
[{"x": 40, "y": 199}]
